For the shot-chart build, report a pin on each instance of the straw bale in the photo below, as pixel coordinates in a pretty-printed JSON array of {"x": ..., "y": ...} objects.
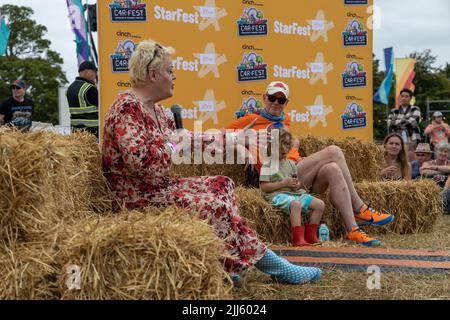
[
  {"x": 46, "y": 178},
  {"x": 364, "y": 159},
  {"x": 271, "y": 224},
  {"x": 144, "y": 255},
  {"x": 416, "y": 206},
  {"x": 27, "y": 273}
]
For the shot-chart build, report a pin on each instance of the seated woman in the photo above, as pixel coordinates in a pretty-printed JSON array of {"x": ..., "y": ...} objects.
[
  {"x": 396, "y": 166},
  {"x": 136, "y": 154},
  {"x": 438, "y": 169}
]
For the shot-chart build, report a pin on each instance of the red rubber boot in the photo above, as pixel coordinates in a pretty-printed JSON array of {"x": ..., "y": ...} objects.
[
  {"x": 311, "y": 233},
  {"x": 298, "y": 236}
]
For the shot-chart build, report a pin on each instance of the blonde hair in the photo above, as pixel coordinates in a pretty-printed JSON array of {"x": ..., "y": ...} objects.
[{"x": 148, "y": 55}]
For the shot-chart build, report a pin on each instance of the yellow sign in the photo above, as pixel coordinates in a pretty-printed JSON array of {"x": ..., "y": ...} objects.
[{"x": 228, "y": 52}]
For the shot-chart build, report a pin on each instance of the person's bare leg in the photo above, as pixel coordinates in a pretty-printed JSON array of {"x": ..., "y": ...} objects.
[
  {"x": 317, "y": 206},
  {"x": 309, "y": 167},
  {"x": 296, "y": 214},
  {"x": 331, "y": 174}
]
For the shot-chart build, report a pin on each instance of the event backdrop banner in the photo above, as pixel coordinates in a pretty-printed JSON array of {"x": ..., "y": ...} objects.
[{"x": 227, "y": 52}]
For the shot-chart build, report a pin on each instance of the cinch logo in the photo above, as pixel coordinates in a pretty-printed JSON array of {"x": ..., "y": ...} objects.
[
  {"x": 354, "y": 76},
  {"x": 357, "y": 2},
  {"x": 252, "y": 23},
  {"x": 252, "y": 68},
  {"x": 354, "y": 34},
  {"x": 249, "y": 106},
  {"x": 128, "y": 11},
  {"x": 354, "y": 117},
  {"x": 122, "y": 55}
]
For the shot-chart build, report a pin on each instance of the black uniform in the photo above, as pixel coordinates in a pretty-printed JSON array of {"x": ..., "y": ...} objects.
[{"x": 82, "y": 96}]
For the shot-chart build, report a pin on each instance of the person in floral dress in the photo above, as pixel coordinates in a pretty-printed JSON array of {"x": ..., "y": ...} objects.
[{"x": 136, "y": 156}]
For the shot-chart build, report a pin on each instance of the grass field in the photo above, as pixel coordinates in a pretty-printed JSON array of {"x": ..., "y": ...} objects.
[{"x": 340, "y": 285}]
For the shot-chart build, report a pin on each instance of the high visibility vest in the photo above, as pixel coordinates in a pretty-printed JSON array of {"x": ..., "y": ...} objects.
[{"x": 82, "y": 115}]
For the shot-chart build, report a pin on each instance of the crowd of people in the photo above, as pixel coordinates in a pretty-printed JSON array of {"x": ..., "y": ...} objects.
[{"x": 138, "y": 144}]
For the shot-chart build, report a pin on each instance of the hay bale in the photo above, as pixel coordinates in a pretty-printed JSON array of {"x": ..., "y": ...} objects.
[
  {"x": 362, "y": 168},
  {"x": 149, "y": 255},
  {"x": 416, "y": 204},
  {"x": 270, "y": 224},
  {"x": 27, "y": 273},
  {"x": 45, "y": 179}
]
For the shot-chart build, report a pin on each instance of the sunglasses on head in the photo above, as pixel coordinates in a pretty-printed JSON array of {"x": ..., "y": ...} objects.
[
  {"x": 16, "y": 87},
  {"x": 281, "y": 100},
  {"x": 157, "y": 47}
]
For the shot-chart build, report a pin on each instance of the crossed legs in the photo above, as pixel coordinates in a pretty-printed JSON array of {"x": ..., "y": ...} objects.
[{"x": 329, "y": 168}]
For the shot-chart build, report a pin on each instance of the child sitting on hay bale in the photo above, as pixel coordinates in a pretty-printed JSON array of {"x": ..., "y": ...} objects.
[
  {"x": 283, "y": 190},
  {"x": 295, "y": 202}
]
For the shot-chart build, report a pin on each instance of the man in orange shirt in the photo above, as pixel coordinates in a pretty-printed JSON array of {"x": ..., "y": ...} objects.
[{"x": 316, "y": 172}]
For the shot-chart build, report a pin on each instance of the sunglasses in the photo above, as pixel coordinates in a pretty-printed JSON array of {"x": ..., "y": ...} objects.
[
  {"x": 281, "y": 100},
  {"x": 157, "y": 47},
  {"x": 15, "y": 88}
]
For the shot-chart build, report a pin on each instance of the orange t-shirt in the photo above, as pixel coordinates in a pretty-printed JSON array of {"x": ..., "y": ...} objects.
[{"x": 261, "y": 124}]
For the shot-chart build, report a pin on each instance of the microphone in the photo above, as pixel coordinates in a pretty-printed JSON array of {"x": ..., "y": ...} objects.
[{"x": 176, "y": 110}]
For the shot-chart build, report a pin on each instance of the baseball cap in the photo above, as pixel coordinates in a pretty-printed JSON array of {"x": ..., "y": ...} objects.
[
  {"x": 278, "y": 86},
  {"x": 87, "y": 65},
  {"x": 437, "y": 114},
  {"x": 19, "y": 83}
]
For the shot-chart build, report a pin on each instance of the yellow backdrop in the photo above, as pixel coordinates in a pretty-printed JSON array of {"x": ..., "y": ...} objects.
[{"x": 228, "y": 51}]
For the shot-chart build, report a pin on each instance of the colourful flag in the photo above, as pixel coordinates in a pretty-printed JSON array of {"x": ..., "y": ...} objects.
[
  {"x": 4, "y": 35},
  {"x": 382, "y": 95},
  {"x": 404, "y": 75},
  {"x": 79, "y": 27}
]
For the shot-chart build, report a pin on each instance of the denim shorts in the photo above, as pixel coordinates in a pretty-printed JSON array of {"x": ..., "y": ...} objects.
[{"x": 284, "y": 200}]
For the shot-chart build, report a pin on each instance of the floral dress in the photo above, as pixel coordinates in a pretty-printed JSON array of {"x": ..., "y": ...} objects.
[{"x": 136, "y": 163}]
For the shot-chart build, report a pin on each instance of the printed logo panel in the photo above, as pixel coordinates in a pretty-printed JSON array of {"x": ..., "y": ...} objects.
[
  {"x": 354, "y": 117},
  {"x": 128, "y": 11},
  {"x": 354, "y": 76},
  {"x": 252, "y": 68},
  {"x": 354, "y": 34},
  {"x": 252, "y": 23},
  {"x": 122, "y": 55}
]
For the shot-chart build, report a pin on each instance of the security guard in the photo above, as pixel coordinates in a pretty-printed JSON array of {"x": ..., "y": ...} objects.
[{"x": 82, "y": 96}]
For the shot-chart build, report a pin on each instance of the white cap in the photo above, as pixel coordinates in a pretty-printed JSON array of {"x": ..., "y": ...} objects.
[
  {"x": 437, "y": 114},
  {"x": 278, "y": 86}
]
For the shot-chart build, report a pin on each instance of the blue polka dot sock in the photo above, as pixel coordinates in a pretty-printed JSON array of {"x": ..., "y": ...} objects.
[{"x": 283, "y": 271}]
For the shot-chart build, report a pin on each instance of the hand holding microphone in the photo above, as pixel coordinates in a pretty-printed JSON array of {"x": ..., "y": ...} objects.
[{"x": 176, "y": 110}]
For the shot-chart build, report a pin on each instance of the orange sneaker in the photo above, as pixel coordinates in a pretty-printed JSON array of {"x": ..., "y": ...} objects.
[
  {"x": 357, "y": 235},
  {"x": 367, "y": 215}
]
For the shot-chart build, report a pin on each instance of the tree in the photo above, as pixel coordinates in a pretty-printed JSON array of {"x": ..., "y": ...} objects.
[
  {"x": 28, "y": 56},
  {"x": 431, "y": 83}
]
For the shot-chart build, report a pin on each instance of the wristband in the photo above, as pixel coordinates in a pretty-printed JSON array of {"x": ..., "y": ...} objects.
[{"x": 172, "y": 146}]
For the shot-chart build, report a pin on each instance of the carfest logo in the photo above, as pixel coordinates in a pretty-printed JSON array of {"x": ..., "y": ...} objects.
[
  {"x": 354, "y": 117},
  {"x": 252, "y": 23},
  {"x": 354, "y": 76},
  {"x": 252, "y": 68},
  {"x": 122, "y": 55},
  {"x": 249, "y": 106},
  {"x": 354, "y": 34},
  {"x": 128, "y": 11}
]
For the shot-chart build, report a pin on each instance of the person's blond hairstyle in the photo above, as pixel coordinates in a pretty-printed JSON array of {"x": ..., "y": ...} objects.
[{"x": 148, "y": 55}]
